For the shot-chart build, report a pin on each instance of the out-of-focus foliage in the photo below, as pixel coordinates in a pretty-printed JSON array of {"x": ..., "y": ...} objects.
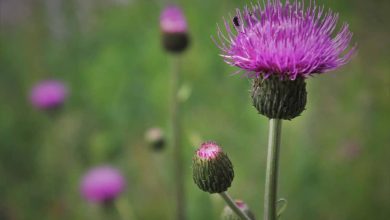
[{"x": 335, "y": 157}]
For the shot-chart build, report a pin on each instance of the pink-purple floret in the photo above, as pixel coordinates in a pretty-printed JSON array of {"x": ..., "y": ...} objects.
[
  {"x": 48, "y": 94},
  {"x": 102, "y": 184},
  {"x": 287, "y": 40},
  {"x": 172, "y": 20},
  {"x": 208, "y": 150}
]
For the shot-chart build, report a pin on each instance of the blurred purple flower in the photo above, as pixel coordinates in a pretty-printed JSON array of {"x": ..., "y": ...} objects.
[
  {"x": 172, "y": 20},
  {"x": 287, "y": 40},
  {"x": 102, "y": 184},
  {"x": 48, "y": 94}
]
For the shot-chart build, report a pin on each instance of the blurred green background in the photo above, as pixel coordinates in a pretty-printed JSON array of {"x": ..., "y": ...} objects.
[{"x": 335, "y": 158}]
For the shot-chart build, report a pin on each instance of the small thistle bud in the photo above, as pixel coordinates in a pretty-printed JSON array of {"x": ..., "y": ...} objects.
[
  {"x": 228, "y": 213},
  {"x": 279, "y": 98},
  {"x": 173, "y": 26},
  {"x": 212, "y": 169},
  {"x": 155, "y": 138}
]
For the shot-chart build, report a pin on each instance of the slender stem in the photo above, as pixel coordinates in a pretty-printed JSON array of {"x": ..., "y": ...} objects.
[
  {"x": 271, "y": 179},
  {"x": 229, "y": 201},
  {"x": 177, "y": 150},
  {"x": 124, "y": 209}
]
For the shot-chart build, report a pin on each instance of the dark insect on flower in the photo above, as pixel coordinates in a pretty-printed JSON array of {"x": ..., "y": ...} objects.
[{"x": 236, "y": 22}]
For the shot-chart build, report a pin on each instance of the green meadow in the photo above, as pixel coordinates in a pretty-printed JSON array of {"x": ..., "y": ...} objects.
[{"x": 335, "y": 157}]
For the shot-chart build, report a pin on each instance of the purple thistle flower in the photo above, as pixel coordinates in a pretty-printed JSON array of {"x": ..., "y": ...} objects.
[
  {"x": 286, "y": 40},
  {"x": 173, "y": 25},
  {"x": 102, "y": 184},
  {"x": 48, "y": 94},
  {"x": 172, "y": 20}
]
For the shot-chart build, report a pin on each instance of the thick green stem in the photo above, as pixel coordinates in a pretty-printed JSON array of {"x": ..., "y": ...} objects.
[
  {"x": 229, "y": 201},
  {"x": 271, "y": 179},
  {"x": 177, "y": 150}
]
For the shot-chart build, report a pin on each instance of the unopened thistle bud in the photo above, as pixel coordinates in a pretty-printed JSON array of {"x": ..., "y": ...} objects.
[
  {"x": 279, "y": 98},
  {"x": 212, "y": 169},
  {"x": 155, "y": 138},
  {"x": 173, "y": 26},
  {"x": 228, "y": 213}
]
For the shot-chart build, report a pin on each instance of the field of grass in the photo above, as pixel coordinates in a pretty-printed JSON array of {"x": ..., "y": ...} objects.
[{"x": 334, "y": 158}]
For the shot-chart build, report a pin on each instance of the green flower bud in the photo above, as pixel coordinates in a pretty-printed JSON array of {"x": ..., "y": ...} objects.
[{"x": 212, "y": 169}]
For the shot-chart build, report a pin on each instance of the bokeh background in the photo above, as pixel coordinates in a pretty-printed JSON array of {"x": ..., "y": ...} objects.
[{"x": 335, "y": 158}]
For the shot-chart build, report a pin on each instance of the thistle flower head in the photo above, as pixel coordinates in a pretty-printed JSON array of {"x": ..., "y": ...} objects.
[
  {"x": 102, "y": 184},
  {"x": 48, "y": 94},
  {"x": 174, "y": 30},
  {"x": 287, "y": 40},
  {"x": 172, "y": 20},
  {"x": 212, "y": 170}
]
